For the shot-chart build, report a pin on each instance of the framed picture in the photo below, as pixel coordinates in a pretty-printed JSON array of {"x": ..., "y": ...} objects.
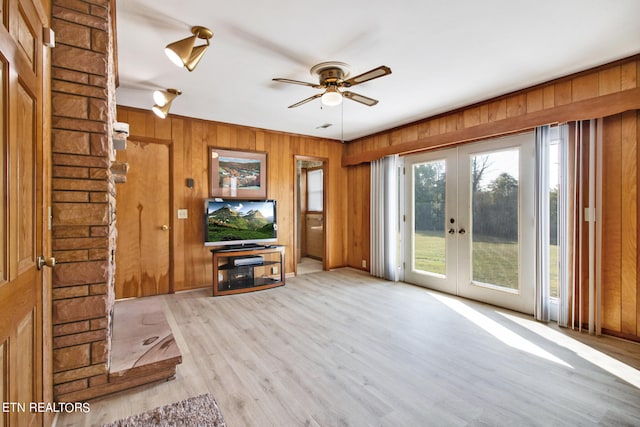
[{"x": 241, "y": 174}]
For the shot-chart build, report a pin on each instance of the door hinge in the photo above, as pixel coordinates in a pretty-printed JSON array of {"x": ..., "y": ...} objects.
[
  {"x": 404, "y": 266},
  {"x": 404, "y": 218}
]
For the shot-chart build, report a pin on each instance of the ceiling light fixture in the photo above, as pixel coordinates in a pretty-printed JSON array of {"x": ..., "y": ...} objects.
[
  {"x": 163, "y": 100},
  {"x": 331, "y": 97},
  {"x": 183, "y": 53},
  {"x": 163, "y": 97}
]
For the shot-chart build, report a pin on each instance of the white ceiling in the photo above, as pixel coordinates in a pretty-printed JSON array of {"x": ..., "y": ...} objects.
[{"x": 443, "y": 55}]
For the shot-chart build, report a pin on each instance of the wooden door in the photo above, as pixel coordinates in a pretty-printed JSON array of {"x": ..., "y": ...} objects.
[
  {"x": 22, "y": 321},
  {"x": 143, "y": 222}
]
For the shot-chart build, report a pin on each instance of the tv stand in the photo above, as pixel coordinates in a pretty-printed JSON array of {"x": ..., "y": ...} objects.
[
  {"x": 247, "y": 268},
  {"x": 247, "y": 246}
]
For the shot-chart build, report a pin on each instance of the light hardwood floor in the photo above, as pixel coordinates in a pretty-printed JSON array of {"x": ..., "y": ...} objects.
[
  {"x": 309, "y": 265},
  {"x": 343, "y": 349}
]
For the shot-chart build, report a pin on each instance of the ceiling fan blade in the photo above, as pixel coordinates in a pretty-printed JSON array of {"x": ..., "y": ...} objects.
[
  {"x": 304, "y": 101},
  {"x": 382, "y": 70},
  {"x": 360, "y": 98},
  {"x": 298, "y": 82}
]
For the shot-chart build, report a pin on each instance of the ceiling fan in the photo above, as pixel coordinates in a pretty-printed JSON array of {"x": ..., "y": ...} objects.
[{"x": 332, "y": 77}]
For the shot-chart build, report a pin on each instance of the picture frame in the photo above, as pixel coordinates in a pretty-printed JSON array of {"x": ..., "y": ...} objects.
[{"x": 237, "y": 174}]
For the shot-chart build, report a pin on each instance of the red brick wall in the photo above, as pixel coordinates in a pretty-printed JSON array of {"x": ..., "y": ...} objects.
[{"x": 83, "y": 195}]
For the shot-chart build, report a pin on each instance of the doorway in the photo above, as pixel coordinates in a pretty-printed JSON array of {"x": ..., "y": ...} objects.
[
  {"x": 144, "y": 223},
  {"x": 470, "y": 221},
  {"x": 310, "y": 214}
]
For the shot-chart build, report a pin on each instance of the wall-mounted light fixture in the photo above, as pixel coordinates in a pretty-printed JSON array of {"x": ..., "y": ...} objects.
[
  {"x": 184, "y": 53},
  {"x": 163, "y": 100}
]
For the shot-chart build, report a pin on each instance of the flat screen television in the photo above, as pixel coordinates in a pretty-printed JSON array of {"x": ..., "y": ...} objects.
[{"x": 240, "y": 222}]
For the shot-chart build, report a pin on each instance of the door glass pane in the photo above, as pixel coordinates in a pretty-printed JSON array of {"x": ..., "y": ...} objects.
[
  {"x": 494, "y": 209},
  {"x": 429, "y": 210},
  {"x": 314, "y": 190},
  {"x": 554, "y": 190}
]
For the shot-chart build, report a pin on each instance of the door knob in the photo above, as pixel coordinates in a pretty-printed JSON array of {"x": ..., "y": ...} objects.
[
  {"x": 462, "y": 231},
  {"x": 164, "y": 227},
  {"x": 452, "y": 231},
  {"x": 45, "y": 262}
]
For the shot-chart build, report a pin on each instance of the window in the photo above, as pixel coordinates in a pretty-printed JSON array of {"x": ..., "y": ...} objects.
[{"x": 315, "y": 183}]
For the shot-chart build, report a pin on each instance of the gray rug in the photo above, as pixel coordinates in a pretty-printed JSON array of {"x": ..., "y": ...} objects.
[{"x": 201, "y": 411}]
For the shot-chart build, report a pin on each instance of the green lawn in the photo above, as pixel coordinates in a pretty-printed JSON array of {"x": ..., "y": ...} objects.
[{"x": 494, "y": 262}]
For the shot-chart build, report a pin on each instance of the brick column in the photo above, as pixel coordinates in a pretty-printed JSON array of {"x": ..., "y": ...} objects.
[{"x": 83, "y": 109}]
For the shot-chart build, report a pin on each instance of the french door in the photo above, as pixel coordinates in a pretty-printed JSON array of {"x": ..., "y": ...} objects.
[{"x": 470, "y": 221}]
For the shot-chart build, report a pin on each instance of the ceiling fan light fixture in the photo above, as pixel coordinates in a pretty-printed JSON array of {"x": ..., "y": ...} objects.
[
  {"x": 331, "y": 97},
  {"x": 184, "y": 53}
]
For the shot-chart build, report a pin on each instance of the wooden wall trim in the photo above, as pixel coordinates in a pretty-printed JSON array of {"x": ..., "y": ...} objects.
[
  {"x": 150, "y": 140},
  {"x": 601, "y": 106}
]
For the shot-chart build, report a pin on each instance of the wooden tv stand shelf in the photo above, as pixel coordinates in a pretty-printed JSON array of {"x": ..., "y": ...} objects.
[{"x": 247, "y": 269}]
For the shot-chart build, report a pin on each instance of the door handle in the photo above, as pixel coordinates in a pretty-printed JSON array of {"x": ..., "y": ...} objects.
[
  {"x": 164, "y": 227},
  {"x": 45, "y": 262},
  {"x": 452, "y": 231},
  {"x": 462, "y": 231}
]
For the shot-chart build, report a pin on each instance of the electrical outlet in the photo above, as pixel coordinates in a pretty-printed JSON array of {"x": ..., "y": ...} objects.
[{"x": 364, "y": 263}]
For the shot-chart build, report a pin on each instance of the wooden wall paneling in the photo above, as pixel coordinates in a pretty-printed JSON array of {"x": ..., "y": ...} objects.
[
  {"x": 138, "y": 123},
  {"x": 337, "y": 202},
  {"x": 359, "y": 216},
  {"x": 638, "y": 229},
  {"x": 629, "y": 76},
  {"x": 562, "y": 93},
  {"x": 516, "y": 105},
  {"x": 584, "y": 87},
  {"x": 609, "y": 81},
  {"x": 497, "y": 110},
  {"x": 123, "y": 116},
  {"x": 395, "y": 137},
  {"x": 335, "y": 181},
  {"x": 535, "y": 100},
  {"x": 223, "y": 137},
  {"x": 197, "y": 260},
  {"x": 162, "y": 128},
  {"x": 471, "y": 117},
  {"x": 549, "y": 96},
  {"x": 280, "y": 181},
  {"x": 424, "y": 130},
  {"x": 601, "y": 106},
  {"x": 177, "y": 184},
  {"x": 612, "y": 227},
  {"x": 195, "y": 138},
  {"x": 629, "y": 222},
  {"x": 198, "y": 137},
  {"x": 411, "y": 133},
  {"x": 484, "y": 114}
]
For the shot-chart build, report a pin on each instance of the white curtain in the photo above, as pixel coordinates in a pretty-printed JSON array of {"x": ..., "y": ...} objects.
[
  {"x": 565, "y": 220},
  {"x": 384, "y": 217},
  {"x": 542, "y": 311},
  {"x": 548, "y": 307}
]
